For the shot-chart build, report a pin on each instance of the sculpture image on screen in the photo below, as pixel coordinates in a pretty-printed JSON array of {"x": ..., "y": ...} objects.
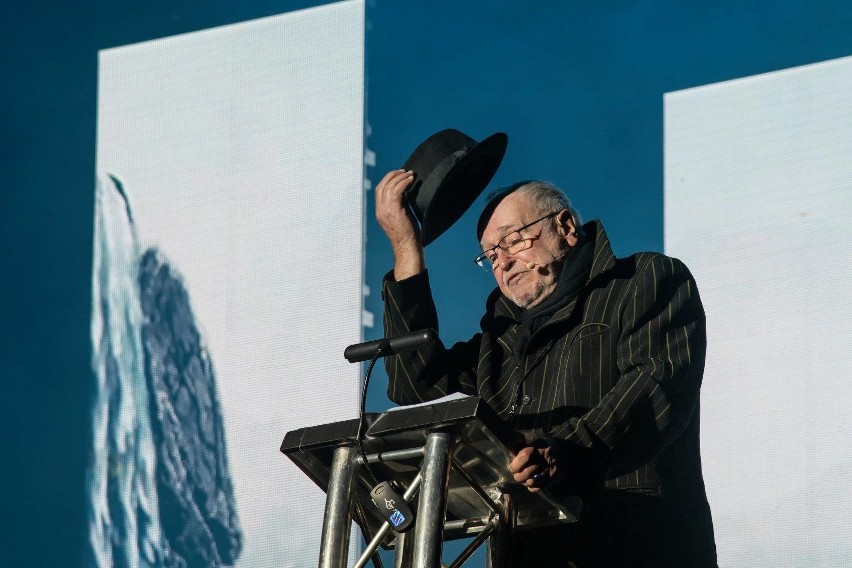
[
  {"x": 159, "y": 485},
  {"x": 227, "y": 281}
]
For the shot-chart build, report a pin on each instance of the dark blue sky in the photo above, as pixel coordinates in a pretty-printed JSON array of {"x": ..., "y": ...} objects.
[{"x": 578, "y": 86}]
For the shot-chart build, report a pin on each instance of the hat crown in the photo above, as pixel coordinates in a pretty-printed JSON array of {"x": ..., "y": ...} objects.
[{"x": 436, "y": 149}]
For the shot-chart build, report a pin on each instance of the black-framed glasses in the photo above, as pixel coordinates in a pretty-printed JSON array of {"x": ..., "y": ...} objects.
[{"x": 511, "y": 243}]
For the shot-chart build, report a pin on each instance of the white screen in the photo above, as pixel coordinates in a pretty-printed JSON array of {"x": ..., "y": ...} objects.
[
  {"x": 758, "y": 195},
  {"x": 240, "y": 150}
]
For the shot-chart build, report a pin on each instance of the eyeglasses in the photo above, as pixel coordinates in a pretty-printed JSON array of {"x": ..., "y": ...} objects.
[{"x": 512, "y": 243}]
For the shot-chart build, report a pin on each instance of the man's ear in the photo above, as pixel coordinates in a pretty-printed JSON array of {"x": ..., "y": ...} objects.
[{"x": 566, "y": 228}]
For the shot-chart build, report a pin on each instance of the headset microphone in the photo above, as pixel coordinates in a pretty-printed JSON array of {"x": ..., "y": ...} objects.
[{"x": 531, "y": 265}]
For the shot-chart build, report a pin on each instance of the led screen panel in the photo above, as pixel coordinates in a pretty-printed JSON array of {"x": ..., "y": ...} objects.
[
  {"x": 758, "y": 192},
  {"x": 227, "y": 281}
]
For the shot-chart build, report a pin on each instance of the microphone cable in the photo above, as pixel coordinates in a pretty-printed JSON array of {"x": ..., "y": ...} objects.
[{"x": 362, "y": 417}]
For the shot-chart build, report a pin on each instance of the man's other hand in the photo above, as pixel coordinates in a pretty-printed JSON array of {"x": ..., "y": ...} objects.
[{"x": 537, "y": 466}]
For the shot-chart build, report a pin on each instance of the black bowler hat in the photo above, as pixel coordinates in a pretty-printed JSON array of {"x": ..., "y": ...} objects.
[{"x": 451, "y": 170}]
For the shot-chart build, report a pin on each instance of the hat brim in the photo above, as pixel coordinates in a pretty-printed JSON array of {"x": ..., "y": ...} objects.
[{"x": 463, "y": 183}]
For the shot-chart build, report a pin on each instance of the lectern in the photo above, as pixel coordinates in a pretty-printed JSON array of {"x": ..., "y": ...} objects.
[{"x": 454, "y": 453}]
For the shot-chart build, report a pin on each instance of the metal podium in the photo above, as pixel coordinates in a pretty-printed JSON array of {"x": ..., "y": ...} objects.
[{"x": 454, "y": 453}]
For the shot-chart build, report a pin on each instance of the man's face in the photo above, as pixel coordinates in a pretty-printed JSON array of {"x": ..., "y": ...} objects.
[{"x": 528, "y": 276}]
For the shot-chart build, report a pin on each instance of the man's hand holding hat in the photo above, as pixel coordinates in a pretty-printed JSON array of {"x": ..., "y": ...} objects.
[{"x": 396, "y": 220}]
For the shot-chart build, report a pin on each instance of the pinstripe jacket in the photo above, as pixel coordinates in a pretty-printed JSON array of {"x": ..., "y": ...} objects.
[{"x": 617, "y": 372}]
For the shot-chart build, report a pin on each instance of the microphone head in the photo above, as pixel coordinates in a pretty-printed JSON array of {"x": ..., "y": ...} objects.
[{"x": 530, "y": 265}]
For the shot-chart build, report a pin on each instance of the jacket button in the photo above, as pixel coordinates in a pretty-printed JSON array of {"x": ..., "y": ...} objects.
[{"x": 527, "y": 399}]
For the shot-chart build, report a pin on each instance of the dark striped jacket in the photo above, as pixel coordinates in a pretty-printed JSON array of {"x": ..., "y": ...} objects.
[{"x": 617, "y": 371}]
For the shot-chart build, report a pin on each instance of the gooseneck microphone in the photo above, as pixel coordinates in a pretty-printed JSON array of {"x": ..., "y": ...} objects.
[
  {"x": 389, "y": 345},
  {"x": 390, "y": 504}
]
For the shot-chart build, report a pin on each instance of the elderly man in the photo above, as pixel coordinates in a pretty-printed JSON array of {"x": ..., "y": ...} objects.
[{"x": 598, "y": 360}]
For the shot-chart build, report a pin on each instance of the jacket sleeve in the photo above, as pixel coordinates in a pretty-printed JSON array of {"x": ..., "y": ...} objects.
[
  {"x": 431, "y": 372},
  {"x": 660, "y": 359}
]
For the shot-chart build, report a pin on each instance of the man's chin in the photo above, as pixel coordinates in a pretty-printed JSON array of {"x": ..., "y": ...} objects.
[
  {"x": 531, "y": 299},
  {"x": 525, "y": 300}
]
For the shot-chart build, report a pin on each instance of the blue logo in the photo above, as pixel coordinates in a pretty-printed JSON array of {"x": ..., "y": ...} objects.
[{"x": 397, "y": 518}]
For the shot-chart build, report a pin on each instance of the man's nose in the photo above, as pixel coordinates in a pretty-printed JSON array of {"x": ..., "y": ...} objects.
[{"x": 504, "y": 259}]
